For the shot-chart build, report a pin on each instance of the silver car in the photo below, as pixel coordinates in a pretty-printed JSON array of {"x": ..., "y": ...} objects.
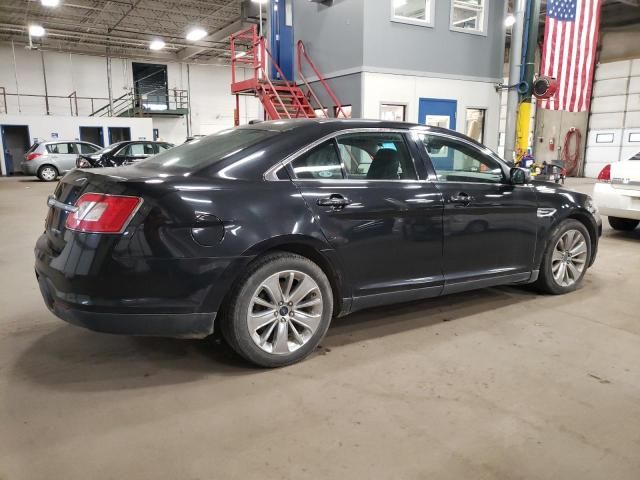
[{"x": 47, "y": 160}]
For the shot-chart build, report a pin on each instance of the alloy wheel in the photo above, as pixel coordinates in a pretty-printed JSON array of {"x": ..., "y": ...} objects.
[
  {"x": 285, "y": 311},
  {"x": 569, "y": 258}
]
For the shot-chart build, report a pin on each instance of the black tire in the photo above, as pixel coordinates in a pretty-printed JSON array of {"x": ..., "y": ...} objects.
[
  {"x": 546, "y": 282},
  {"x": 48, "y": 173},
  {"x": 234, "y": 317},
  {"x": 623, "y": 224}
]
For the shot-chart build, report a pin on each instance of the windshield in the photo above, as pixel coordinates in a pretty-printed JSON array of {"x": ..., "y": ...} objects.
[{"x": 208, "y": 150}]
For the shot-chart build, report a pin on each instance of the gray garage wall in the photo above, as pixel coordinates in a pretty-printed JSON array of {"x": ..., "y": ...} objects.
[
  {"x": 348, "y": 88},
  {"x": 437, "y": 49},
  {"x": 347, "y": 36},
  {"x": 331, "y": 32}
]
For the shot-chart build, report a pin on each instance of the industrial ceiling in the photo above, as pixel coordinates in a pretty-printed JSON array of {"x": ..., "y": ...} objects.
[{"x": 126, "y": 27}]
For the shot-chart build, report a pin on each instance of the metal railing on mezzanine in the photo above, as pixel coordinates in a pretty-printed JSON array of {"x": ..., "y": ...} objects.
[
  {"x": 57, "y": 104},
  {"x": 129, "y": 104}
]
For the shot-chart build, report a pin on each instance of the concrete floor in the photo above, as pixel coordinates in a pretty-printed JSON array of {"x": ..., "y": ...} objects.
[{"x": 499, "y": 383}]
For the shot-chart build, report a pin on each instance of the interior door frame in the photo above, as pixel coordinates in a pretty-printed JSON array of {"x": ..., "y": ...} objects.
[
  {"x": 423, "y": 109},
  {"x": 80, "y": 127},
  {"x": 3, "y": 164},
  {"x": 115, "y": 126}
]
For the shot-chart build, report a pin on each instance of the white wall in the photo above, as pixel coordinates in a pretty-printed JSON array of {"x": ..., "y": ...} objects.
[
  {"x": 212, "y": 104},
  {"x": 44, "y": 127},
  {"x": 406, "y": 89}
]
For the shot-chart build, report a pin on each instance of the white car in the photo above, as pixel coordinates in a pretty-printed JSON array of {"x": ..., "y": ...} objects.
[{"x": 617, "y": 193}]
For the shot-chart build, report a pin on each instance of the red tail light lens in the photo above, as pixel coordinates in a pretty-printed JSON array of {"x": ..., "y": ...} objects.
[
  {"x": 31, "y": 156},
  {"x": 102, "y": 213},
  {"x": 605, "y": 174}
]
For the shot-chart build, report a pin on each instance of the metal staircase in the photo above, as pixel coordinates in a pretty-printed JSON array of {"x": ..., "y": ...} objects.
[{"x": 281, "y": 98}]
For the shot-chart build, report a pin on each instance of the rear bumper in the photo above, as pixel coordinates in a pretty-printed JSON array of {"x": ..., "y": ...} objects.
[
  {"x": 29, "y": 168},
  {"x": 617, "y": 202},
  {"x": 178, "y": 325}
]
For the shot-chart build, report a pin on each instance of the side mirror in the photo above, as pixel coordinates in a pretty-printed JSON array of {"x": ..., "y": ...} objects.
[{"x": 519, "y": 176}]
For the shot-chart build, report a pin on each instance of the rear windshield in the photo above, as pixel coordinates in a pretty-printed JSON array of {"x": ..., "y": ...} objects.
[
  {"x": 208, "y": 150},
  {"x": 33, "y": 147}
]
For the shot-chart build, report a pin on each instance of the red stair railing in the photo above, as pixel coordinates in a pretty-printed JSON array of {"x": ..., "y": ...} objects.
[
  {"x": 260, "y": 83},
  {"x": 302, "y": 54}
]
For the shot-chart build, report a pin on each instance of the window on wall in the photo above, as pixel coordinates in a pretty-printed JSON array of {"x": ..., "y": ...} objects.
[
  {"x": 393, "y": 113},
  {"x": 417, "y": 12},
  {"x": 475, "y": 123},
  {"x": 468, "y": 15},
  {"x": 345, "y": 111}
]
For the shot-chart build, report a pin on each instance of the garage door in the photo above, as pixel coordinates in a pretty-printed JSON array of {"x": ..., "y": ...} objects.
[{"x": 614, "y": 124}]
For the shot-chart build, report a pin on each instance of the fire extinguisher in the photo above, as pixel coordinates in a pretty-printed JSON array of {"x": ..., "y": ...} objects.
[{"x": 552, "y": 144}]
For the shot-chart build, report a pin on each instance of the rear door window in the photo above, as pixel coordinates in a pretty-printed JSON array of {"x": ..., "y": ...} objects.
[
  {"x": 376, "y": 156},
  {"x": 86, "y": 148},
  {"x": 61, "y": 148},
  {"x": 163, "y": 146},
  {"x": 319, "y": 163},
  {"x": 138, "y": 150}
]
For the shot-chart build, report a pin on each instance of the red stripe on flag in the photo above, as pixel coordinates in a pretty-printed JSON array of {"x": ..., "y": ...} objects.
[
  {"x": 580, "y": 13},
  {"x": 592, "y": 58},
  {"x": 568, "y": 54}
]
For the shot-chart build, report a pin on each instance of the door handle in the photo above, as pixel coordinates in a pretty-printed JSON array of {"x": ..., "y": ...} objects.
[
  {"x": 461, "y": 199},
  {"x": 335, "y": 201}
]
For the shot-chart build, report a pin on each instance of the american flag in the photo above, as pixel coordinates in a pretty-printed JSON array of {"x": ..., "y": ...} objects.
[{"x": 569, "y": 52}]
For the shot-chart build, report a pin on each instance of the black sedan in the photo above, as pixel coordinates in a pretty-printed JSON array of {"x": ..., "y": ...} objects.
[
  {"x": 269, "y": 231},
  {"x": 122, "y": 153}
]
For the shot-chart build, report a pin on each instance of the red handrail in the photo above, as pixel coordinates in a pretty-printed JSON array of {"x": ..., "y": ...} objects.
[
  {"x": 258, "y": 52},
  {"x": 289, "y": 87},
  {"x": 302, "y": 52}
]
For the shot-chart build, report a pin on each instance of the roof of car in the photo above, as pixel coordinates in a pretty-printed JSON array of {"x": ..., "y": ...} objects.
[
  {"x": 329, "y": 125},
  {"x": 47, "y": 142}
]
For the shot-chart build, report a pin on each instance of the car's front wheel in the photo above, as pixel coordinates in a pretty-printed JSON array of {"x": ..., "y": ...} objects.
[
  {"x": 279, "y": 311},
  {"x": 47, "y": 173},
  {"x": 566, "y": 258},
  {"x": 623, "y": 224}
]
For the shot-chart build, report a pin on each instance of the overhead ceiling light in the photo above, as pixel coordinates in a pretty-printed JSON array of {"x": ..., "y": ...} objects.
[
  {"x": 36, "y": 31},
  {"x": 510, "y": 21},
  {"x": 157, "y": 44},
  {"x": 196, "y": 34},
  {"x": 260, "y": 1},
  {"x": 50, "y": 3}
]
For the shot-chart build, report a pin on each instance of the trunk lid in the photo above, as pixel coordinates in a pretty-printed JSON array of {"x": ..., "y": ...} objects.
[
  {"x": 121, "y": 181},
  {"x": 626, "y": 175}
]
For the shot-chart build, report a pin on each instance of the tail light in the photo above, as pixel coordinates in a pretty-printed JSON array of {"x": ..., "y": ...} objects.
[
  {"x": 102, "y": 213},
  {"x": 33, "y": 155},
  {"x": 605, "y": 174}
]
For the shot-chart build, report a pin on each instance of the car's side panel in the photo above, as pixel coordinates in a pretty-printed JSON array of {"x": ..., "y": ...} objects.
[
  {"x": 493, "y": 235},
  {"x": 556, "y": 204},
  {"x": 389, "y": 237},
  {"x": 165, "y": 261}
]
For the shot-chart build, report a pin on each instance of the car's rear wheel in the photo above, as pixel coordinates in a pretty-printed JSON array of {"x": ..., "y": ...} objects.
[
  {"x": 566, "y": 258},
  {"x": 279, "y": 311},
  {"x": 47, "y": 173},
  {"x": 623, "y": 224}
]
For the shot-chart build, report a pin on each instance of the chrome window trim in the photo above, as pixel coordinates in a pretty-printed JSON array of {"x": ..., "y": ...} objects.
[
  {"x": 484, "y": 151},
  {"x": 271, "y": 175}
]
